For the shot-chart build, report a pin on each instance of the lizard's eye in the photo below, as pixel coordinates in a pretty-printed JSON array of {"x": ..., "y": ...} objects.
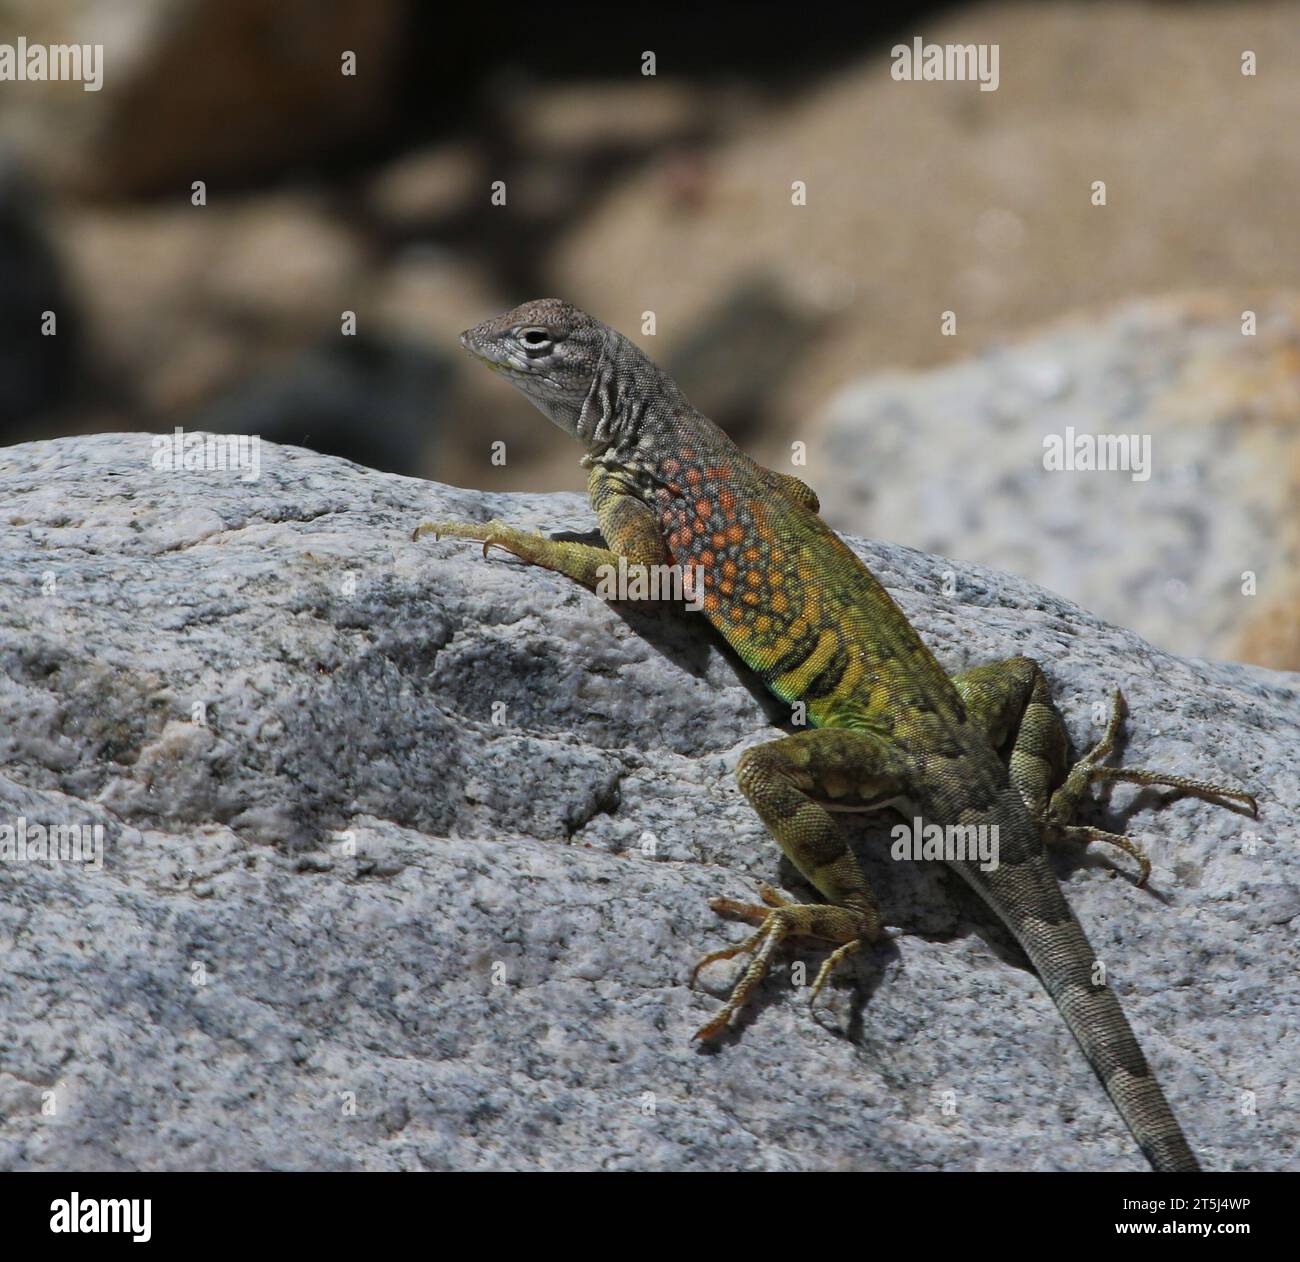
[{"x": 534, "y": 339}]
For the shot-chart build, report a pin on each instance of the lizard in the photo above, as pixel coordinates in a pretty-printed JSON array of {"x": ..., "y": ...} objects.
[{"x": 885, "y": 724}]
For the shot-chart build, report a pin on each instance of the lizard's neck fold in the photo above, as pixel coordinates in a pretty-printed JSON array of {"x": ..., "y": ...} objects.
[{"x": 629, "y": 401}]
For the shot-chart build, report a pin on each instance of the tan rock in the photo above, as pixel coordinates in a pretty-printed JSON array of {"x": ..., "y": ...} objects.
[
  {"x": 200, "y": 89},
  {"x": 180, "y": 301}
]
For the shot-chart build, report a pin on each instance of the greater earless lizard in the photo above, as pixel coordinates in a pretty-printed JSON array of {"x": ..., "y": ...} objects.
[{"x": 886, "y": 724}]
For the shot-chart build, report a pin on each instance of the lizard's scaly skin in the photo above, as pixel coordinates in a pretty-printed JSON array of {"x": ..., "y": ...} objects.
[{"x": 888, "y": 726}]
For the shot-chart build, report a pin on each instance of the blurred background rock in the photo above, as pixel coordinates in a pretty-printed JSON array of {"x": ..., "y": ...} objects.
[{"x": 671, "y": 194}]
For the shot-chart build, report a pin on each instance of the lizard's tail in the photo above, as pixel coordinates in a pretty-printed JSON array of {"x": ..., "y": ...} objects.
[
  {"x": 1067, "y": 964},
  {"x": 1028, "y": 899}
]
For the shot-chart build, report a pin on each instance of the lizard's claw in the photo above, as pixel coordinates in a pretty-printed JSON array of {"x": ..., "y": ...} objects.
[
  {"x": 706, "y": 1033},
  {"x": 1085, "y": 834}
]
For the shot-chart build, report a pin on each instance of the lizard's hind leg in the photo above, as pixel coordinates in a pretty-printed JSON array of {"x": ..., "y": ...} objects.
[
  {"x": 1012, "y": 701},
  {"x": 786, "y": 782},
  {"x": 1065, "y": 801}
]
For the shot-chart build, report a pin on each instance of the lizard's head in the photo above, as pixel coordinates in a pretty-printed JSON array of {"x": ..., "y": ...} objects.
[{"x": 548, "y": 349}]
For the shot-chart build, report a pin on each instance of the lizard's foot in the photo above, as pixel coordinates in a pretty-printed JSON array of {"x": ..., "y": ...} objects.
[
  {"x": 1077, "y": 832},
  {"x": 776, "y": 927},
  {"x": 779, "y": 920},
  {"x": 521, "y": 543},
  {"x": 1057, "y": 819},
  {"x": 741, "y": 911},
  {"x": 1065, "y": 801}
]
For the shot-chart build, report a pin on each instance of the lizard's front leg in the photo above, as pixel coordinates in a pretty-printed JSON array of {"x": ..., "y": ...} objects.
[
  {"x": 787, "y": 782},
  {"x": 626, "y": 521}
]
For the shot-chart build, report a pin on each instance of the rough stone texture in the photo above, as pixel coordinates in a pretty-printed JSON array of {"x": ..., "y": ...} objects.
[
  {"x": 460, "y": 926},
  {"x": 1165, "y": 555}
]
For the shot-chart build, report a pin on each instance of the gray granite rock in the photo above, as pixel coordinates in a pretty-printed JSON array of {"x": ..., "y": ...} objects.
[{"x": 407, "y": 853}]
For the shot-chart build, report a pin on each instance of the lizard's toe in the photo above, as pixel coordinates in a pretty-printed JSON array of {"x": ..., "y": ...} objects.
[
  {"x": 492, "y": 533},
  {"x": 453, "y": 529},
  {"x": 706, "y": 1033}
]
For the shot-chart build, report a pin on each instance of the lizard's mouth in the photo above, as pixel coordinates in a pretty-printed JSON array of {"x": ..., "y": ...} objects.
[
  {"x": 467, "y": 341},
  {"x": 535, "y": 381}
]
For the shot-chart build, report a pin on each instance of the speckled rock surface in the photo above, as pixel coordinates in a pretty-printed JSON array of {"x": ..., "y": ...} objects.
[
  {"x": 407, "y": 856},
  {"x": 952, "y": 461}
]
